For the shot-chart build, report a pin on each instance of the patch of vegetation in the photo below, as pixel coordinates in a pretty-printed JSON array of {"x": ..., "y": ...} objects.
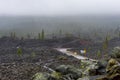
[{"x": 19, "y": 52}]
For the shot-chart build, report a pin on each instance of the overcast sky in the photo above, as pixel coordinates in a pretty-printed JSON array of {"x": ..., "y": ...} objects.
[{"x": 59, "y": 7}]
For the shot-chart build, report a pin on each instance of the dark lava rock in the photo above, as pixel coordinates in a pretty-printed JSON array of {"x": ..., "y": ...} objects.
[
  {"x": 113, "y": 71},
  {"x": 68, "y": 70},
  {"x": 116, "y": 52}
]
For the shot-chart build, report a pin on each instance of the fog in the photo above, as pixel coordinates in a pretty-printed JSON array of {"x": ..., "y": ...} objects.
[
  {"x": 70, "y": 16},
  {"x": 24, "y": 25},
  {"x": 59, "y": 7}
]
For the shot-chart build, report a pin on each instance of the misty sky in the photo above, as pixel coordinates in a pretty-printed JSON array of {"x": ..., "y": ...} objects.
[{"x": 59, "y": 7}]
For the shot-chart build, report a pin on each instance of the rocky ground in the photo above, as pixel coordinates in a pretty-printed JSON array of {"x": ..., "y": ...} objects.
[{"x": 35, "y": 54}]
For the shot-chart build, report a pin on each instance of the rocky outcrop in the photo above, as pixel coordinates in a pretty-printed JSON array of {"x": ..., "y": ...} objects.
[
  {"x": 62, "y": 72},
  {"x": 113, "y": 71},
  {"x": 69, "y": 71},
  {"x": 112, "y": 63},
  {"x": 94, "y": 68},
  {"x": 116, "y": 52},
  {"x": 113, "y": 66}
]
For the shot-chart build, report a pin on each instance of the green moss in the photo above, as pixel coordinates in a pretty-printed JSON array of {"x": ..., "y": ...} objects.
[
  {"x": 56, "y": 75},
  {"x": 39, "y": 76}
]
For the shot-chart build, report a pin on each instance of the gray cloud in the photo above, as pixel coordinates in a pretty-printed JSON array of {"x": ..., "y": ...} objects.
[{"x": 59, "y": 7}]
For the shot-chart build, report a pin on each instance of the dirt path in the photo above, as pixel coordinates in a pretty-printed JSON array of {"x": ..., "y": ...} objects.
[{"x": 69, "y": 53}]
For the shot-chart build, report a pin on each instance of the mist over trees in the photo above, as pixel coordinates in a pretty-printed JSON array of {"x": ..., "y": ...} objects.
[{"x": 87, "y": 26}]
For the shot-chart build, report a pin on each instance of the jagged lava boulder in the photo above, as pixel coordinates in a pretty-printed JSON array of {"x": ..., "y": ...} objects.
[
  {"x": 116, "y": 52},
  {"x": 113, "y": 70},
  {"x": 68, "y": 70}
]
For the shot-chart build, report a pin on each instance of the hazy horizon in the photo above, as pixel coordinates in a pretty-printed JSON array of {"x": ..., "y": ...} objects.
[{"x": 34, "y": 24}]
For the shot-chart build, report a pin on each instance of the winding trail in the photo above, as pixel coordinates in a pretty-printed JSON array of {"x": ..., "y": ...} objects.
[{"x": 69, "y": 53}]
